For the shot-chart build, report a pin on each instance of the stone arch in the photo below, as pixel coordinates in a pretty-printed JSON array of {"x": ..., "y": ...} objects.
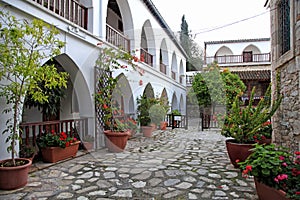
[
  {"x": 164, "y": 97},
  {"x": 174, "y": 67},
  {"x": 252, "y": 48},
  {"x": 163, "y": 57},
  {"x": 149, "y": 92},
  {"x": 78, "y": 100},
  {"x": 119, "y": 17},
  {"x": 148, "y": 41},
  {"x": 181, "y": 72},
  {"x": 224, "y": 50},
  {"x": 181, "y": 104},
  {"x": 123, "y": 94},
  {"x": 174, "y": 104}
]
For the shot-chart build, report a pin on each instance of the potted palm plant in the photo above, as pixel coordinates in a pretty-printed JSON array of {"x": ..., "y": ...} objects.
[
  {"x": 23, "y": 48},
  {"x": 244, "y": 125}
]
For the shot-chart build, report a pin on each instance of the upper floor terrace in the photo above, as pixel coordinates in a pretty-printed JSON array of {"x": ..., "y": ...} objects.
[
  {"x": 112, "y": 21},
  {"x": 231, "y": 53}
]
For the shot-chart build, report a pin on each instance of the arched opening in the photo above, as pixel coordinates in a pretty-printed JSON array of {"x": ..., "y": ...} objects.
[{"x": 148, "y": 92}]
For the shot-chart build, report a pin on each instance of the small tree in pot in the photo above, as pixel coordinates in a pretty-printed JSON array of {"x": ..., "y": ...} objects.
[
  {"x": 157, "y": 113},
  {"x": 23, "y": 47}
]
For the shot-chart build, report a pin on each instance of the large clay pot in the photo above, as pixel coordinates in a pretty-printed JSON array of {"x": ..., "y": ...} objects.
[
  {"x": 14, "y": 177},
  {"x": 265, "y": 192},
  {"x": 237, "y": 151},
  {"x": 88, "y": 145},
  {"x": 147, "y": 131},
  {"x": 54, "y": 154},
  {"x": 163, "y": 125},
  {"x": 116, "y": 141}
]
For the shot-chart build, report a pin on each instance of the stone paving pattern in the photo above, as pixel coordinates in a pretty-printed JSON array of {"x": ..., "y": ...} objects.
[{"x": 173, "y": 164}]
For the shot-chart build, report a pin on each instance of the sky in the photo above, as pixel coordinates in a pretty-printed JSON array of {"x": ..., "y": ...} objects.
[{"x": 249, "y": 19}]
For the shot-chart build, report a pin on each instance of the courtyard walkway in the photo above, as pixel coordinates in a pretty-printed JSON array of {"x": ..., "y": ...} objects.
[{"x": 174, "y": 164}]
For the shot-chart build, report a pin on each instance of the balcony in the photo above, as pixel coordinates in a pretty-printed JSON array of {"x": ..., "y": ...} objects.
[
  {"x": 148, "y": 58},
  {"x": 234, "y": 59},
  {"x": 173, "y": 75},
  {"x": 163, "y": 68},
  {"x": 117, "y": 39},
  {"x": 68, "y": 9}
]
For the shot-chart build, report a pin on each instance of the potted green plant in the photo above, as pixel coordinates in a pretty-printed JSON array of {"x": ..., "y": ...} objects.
[
  {"x": 24, "y": 47},
  {"x": 132, "y": 126},
  {"x": 276, "y": 172},
  {"x": 242, "y": 124},
  {"x": 143, "y": 106},
  {"x": 157, "y": 113},
  {"x": 57, "y": 146},
  {"x": 115, "y": 128},
  {"x": 88, "y": 142}
]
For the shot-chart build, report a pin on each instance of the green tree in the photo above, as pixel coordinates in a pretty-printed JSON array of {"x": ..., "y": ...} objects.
[
  {"x": 24, "y": 46},
  {"x": 213, "y": 87},
  {"x": 233, "y": 86},
  {"x": 200, "y": 91},
  {"x": 192, "y": 49}
]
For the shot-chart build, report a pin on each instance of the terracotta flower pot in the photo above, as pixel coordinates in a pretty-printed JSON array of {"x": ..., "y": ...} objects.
[
  {"x": 147, "y": 131},
  {"x": 116, "y": 141},
  {"x": 54, "y": 154},
  {"x": 265, "y": 192},
  {"x": 88, "y": 145},
  {"x": 14, "y": 177},
  {"x": 237, "y": 151},
  {"x": 163, "y": 125}
]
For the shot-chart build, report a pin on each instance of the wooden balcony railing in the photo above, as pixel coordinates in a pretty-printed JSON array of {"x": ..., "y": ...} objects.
[
  {"x": 68, "y": 9},
  {"x": 174, "y": 75},
  {"x": 30, "y": 131},
  {"x": 117, "y": 39},
  {"x": 233, "y": 59},
  {"x": 148, "y": 58},
  {"x": 163, "y": 68}
]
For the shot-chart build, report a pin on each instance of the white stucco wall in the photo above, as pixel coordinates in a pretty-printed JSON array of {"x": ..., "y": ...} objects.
[
  {"x": 237, "y": 47},
  {"x": 79, "y": 55}
]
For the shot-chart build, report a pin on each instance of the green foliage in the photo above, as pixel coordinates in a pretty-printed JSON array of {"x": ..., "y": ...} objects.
[
  {"x": 144, "y": 104},
  {"x": 233, "y": 86},
  {"x": 193, "y": 51},
  {"x": 275, "y": 167},
  {"x": 108, "y": 61},
  {"x": 176, "y": 112},
  {"x": 201, "y": 91},
  {"x": 157, "y": 113},
  {"x": 212, "y": 87},
  {"x": 24, "y": 46},
  {"x": 243, "y": 124},
  {"x": 53, "y": 139}
]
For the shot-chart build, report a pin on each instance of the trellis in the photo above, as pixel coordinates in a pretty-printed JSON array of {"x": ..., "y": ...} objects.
[{"x": 103, "y": 75}]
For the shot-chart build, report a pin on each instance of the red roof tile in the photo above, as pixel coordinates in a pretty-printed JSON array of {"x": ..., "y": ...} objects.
[{"x": 254, "y": 75}]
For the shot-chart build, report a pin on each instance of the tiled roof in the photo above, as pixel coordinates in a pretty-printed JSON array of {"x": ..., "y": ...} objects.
[
  {"x": 254, "y": 74},
  {"x": 237, "y": 41}
]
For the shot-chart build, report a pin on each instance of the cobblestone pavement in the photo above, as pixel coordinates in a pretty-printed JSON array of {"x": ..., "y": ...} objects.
[{"x": 174, "y": 164}]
